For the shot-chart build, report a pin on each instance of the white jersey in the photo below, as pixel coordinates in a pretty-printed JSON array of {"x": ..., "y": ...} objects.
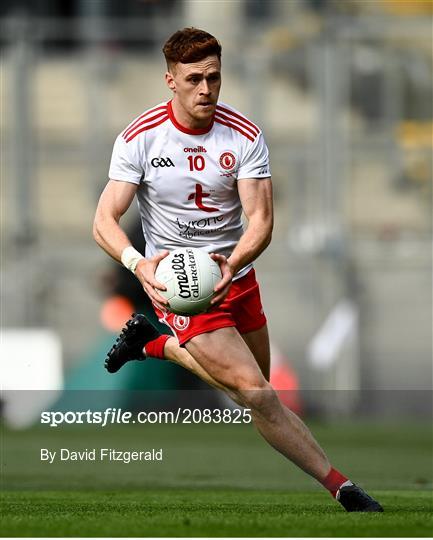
[{"x": 187, "y": 178}]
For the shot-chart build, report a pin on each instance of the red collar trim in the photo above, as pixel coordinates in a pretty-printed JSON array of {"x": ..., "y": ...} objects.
[{"x": 184, "y": 129}]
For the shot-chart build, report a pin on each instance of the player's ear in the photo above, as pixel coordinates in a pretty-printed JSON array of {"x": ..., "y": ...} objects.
[{"x": 169, "y": 79}]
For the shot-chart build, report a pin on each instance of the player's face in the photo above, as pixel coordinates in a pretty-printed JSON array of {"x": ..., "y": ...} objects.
[{"x": 196, "y": 88}]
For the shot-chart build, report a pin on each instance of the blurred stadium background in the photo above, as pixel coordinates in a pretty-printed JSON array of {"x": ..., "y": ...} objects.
[{"x": 343, "y": 92}]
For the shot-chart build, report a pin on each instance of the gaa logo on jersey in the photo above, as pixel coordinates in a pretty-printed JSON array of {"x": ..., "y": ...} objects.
[
  {"x": 162, "y": 162},
  {"x": 228, "y": 160}
]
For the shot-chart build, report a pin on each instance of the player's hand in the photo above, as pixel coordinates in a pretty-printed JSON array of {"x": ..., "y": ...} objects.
[
  {"x": 145, "y": 273},
  {"x": 222, "y": 287}
]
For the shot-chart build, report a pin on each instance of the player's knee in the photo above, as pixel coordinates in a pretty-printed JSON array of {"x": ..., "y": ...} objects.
[
  {"x": 249, "y": 380},
  {"x": 257, "y": 395}
]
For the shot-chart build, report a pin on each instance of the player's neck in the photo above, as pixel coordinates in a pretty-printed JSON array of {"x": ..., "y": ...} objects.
[{"x": 187, "y": 121}]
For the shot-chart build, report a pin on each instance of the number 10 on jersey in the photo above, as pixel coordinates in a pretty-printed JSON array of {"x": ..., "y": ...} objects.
[{"x": 196, "y": 163}]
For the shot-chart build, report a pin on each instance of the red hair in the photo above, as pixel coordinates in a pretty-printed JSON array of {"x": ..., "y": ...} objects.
[{"x": 190, "y": 45}]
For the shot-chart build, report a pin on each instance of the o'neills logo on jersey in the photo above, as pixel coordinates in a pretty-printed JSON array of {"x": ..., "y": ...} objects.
[
  {"x": 188, "y": 284},
  {"x": 228, "y": 161},
  {"x": 196, "y": 150}
]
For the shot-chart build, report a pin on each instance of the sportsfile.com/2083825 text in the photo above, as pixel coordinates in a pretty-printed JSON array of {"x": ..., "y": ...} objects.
[{"x": 112, "y": 416}]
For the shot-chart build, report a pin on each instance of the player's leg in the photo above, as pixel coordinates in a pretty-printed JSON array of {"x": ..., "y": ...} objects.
[
  {"x": 258, "y": 343},
  {"x": 222, "y": 358},
  {"x": 244, "y": 382},
  {"x": 351, "y": 496},
  {"x": 180, "y": 356},
  {"x": 225, "y": 357},
  {"x": 230, "y": 366}
]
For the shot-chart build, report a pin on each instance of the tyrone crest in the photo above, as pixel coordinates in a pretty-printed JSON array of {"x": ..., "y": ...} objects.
[
  {"x": 227, "y": 161},
  {"x": 180, "y": 322}
]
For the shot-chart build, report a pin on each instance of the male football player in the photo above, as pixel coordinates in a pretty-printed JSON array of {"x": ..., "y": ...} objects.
[{"x": 195, "y": 164}]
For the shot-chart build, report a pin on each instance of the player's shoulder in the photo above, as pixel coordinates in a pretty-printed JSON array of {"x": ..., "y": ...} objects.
[
  {"x": 146, "y": 121},
  {"x": 231, "y": 118}
]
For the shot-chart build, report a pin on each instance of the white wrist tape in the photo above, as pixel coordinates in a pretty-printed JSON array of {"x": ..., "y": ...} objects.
[{"x": 130, "y": 257}]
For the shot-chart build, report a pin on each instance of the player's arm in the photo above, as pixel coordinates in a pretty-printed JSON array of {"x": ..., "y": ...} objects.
[
  {"x": 107, "y": 232},
  {"x": 113, "y": 203},
  {"x": 256, "y": 200}
]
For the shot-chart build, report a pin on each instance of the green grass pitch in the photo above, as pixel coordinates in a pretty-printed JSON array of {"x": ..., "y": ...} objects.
[
  {"x": 175, "y": 512},
  {"x": 214, "y": 481}
]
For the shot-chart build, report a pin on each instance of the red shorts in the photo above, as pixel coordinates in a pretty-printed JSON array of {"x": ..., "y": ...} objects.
[{"x": 242, "y": 308}]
